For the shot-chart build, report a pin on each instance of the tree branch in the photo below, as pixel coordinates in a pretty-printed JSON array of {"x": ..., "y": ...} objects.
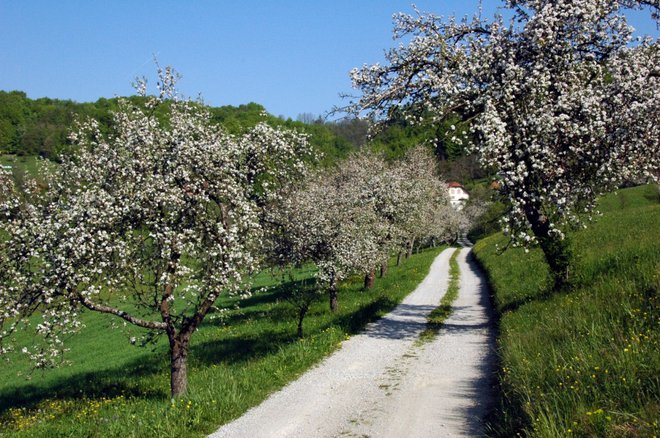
[{"x": 154, "y": 325}]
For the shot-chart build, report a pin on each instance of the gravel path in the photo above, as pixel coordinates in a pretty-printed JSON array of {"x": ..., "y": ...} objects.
[{"x": 382, "y": 383}]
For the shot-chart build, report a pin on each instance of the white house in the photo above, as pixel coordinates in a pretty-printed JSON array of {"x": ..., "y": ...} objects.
[{"x": 458, "y": 196}]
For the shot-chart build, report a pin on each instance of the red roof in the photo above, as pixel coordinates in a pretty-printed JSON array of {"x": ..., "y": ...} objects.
[{"x": 454, "y": 184}]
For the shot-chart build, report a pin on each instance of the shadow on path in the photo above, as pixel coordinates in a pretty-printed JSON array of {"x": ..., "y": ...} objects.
[{"x": 483, "y": 389}]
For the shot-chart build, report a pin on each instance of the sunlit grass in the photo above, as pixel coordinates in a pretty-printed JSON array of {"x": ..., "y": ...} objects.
[
  {"x": 439, "y": 315},
  {"x": 24, "y": 165},
  {"x": 237, "y": 359},
  {"x": 584, "y": 362}
]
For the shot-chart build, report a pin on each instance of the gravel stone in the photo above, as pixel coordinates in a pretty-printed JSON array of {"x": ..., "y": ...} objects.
[{"x": 382, "y": 383}]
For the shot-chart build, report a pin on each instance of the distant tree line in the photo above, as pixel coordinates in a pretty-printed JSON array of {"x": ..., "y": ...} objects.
[{"x": 40, "y": 127}]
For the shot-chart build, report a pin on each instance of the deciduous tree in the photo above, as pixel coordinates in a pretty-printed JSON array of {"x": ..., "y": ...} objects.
[
  {"x": 562, "y": 102},
  {"x": 349, "y": 219},
  {"x": 326, "y": 221},
  {"x": 150, "y": 224}
]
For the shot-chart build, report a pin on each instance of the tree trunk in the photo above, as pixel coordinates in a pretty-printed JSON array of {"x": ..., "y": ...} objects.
[
  {"x": 383, "y": 269},
  {"x": 178, "y": 366},
  {"x": 557, "y": 254},
  {"x": 556, "y": 251},
  {"x": 411, "y": 245},
  {"x": 333, "y": 294},
  {"x": 369, "y": 279},
  {"x": 398, "y": 258},
  {"x": 301, "y": 316}
]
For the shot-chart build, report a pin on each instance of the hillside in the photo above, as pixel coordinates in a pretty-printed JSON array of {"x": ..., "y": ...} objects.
[
  {"x": 39, "y": 127},
  {"x": 240, "y": 355},
  {"x": 585, "y": 362}
]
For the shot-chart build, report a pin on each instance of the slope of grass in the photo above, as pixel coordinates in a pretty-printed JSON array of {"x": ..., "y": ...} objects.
[
  {"x": 22, "y": 164},
  {"x": 584, "y": 362},
  {"x": 113, "y": 388}
]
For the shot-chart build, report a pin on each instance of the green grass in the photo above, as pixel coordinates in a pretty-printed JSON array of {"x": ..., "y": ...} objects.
[
  {"x": 24, "y": 164},
  {"x": 437, "y": 317},
  {"x": 113, "y": 388},
  {"x": 585, "y": 362}
]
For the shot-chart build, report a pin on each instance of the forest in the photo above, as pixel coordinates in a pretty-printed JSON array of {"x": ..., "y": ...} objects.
[
  {"x": 40, "y": 127},
  {"x": 31, "y": 127}
]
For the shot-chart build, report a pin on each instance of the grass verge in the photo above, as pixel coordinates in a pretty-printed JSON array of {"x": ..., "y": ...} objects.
[
  {"x": 438, "y": 315},
  {"x": 585, "y": 362},
  {"x": 114, "y": 389}
]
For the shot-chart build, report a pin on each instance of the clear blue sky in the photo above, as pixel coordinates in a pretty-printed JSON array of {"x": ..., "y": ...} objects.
[{"x": 292, "y": 56}]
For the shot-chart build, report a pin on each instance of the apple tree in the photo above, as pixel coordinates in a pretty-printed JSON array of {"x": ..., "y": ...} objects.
[
  {"x": 561, "y": 100},
  {"x": 149, "y": 223}
]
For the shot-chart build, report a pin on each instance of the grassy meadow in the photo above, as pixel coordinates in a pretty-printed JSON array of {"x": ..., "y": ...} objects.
[
  {"x": 584, "y": 362},
  {"x": 112, "y": 388},
  {"x": 22, "y": 164}
]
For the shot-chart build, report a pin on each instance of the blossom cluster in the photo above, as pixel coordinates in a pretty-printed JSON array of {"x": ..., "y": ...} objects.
[
  {"x": 562, "y": 101},
  {"x": 351, "y": 218},
  {"x": 150, "y": 222}
]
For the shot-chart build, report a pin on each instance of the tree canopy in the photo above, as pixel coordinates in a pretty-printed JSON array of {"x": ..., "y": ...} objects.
[
  {"x": 350, "y": 218},
  {"x": 149, "y": 222},
  {"x": 562, "y": 103}
]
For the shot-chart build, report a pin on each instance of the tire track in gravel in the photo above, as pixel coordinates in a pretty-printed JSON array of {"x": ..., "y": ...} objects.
[{"x": 382, "y": 383}]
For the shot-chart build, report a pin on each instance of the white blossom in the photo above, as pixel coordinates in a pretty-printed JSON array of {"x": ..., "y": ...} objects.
[
  {"x": 351, "y": 218},
  {"x": 162, "y": 215},
  {"x": 563, "y": 104}
]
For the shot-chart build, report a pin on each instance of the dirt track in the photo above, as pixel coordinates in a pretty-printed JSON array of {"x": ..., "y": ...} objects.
[{"x": 382, "y": 383}]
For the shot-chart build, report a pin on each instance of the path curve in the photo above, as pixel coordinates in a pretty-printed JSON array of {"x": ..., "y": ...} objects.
[{"x": 382, "y": 383}]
